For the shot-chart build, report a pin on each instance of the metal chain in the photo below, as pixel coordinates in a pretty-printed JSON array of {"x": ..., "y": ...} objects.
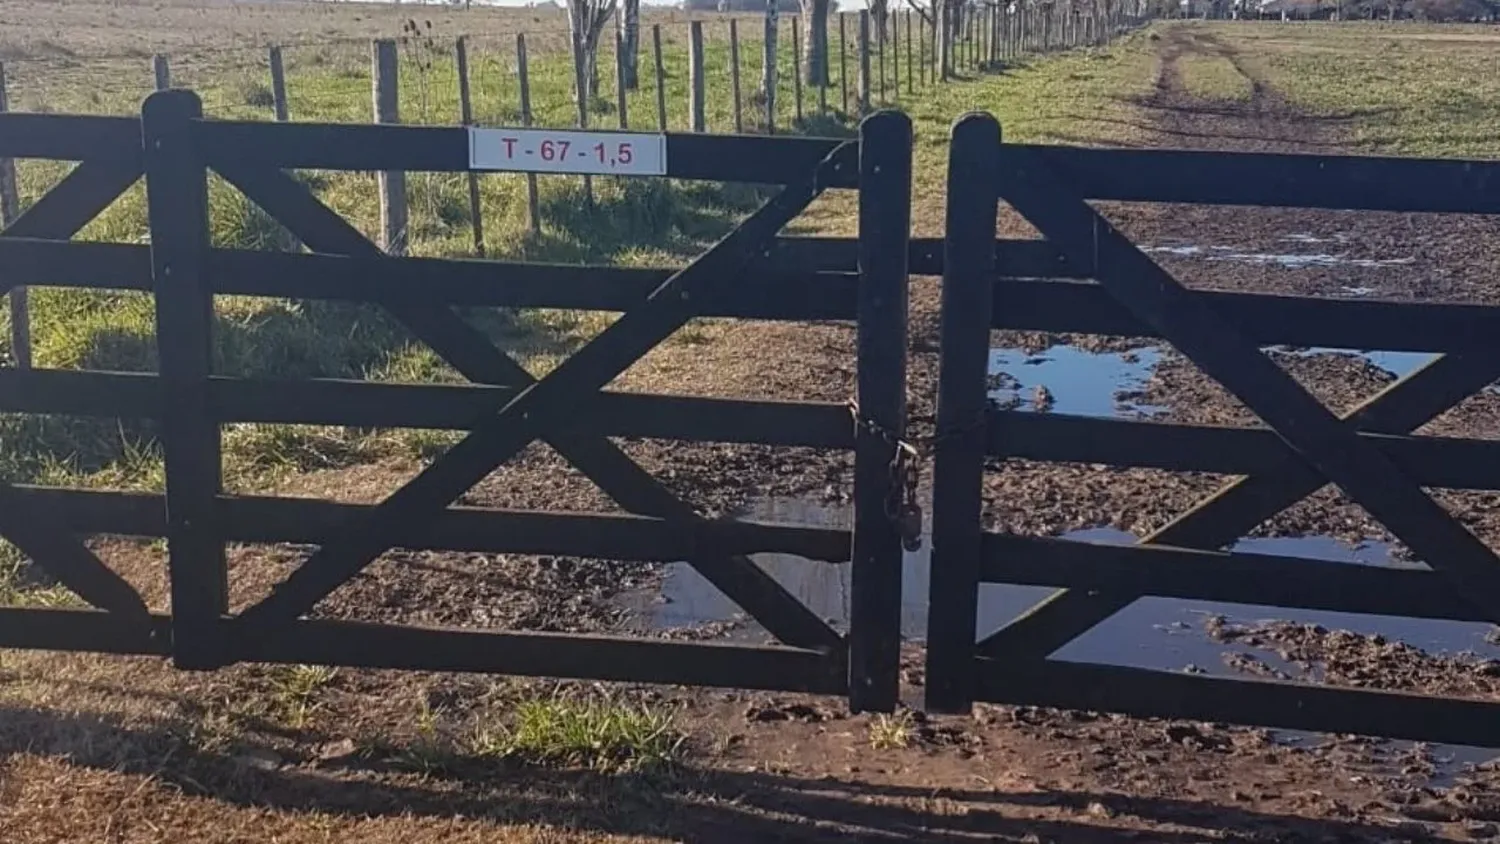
[{"x": 902, "y": 506}]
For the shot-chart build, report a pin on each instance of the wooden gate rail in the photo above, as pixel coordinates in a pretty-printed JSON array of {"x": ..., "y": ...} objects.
[
  {"x": 109, "y": 154},
  {"x": 818, "y": 280},
  {"x": 1368, "y": 451}
]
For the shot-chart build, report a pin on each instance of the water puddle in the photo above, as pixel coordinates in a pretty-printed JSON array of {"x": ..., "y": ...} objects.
[
  {"x": 1284, "y": 260},
  {"x": 1132, "y": 637},
  {"x": 1399, "y": 364},
  {"x": 1165, "y": 634},
  {"x": 1065, "y": 379}
]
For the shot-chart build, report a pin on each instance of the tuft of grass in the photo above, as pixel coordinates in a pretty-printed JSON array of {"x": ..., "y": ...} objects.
[
  {"x": 21, "y": 584},
  {"x": 892, "y": 732},
  {"x": 594, "y": 733},
  {"x": 296, "y": 690},
  {"x": 257, "y": 94}
]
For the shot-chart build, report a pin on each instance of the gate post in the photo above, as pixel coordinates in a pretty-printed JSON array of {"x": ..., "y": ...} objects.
[
  {"x": 969, "y": 273},
  {"x": 177, "y": 209},
  {"x": 885, "y": 149}
]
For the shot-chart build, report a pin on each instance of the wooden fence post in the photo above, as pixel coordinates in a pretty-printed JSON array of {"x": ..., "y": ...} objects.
[
  {"x": 393, "y": 211},
  {"x": 879, "y": 47},
  {"x": 162, "y": 70},
  {"x": 621, "y": 72},
  {"x": 844, "y": 62},
  {"x": 661, "y": 79},
  {"x": 278, "y": 87},
  {"x": 279, "y": 106},
  {"x": 958, "y": 462},
  {"x": 581, "y": 96},
  {"x": 466, "y": 117},
  {"x": 895, "y": 46},
  {"x": 827, "y": 76},
  {"x": 797, "y": 66},
  {"x": 885, "y": 153},
  {"x": 734, "y": 75},
  {"x": 864, "y": 62},
  {"x": 10, "y": 209},
  {"x": 768, "y": 80},
  {"x": 177, "y": 210},
  {"x": 523, "y": 77},
  {"x": 922, "y": 50},
  {"x": 910, "y": 88},
  {"x": 697, "y": 105}
]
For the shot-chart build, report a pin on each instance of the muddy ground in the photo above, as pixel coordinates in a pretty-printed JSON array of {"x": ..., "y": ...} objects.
[{"x": 208, "y": 757}]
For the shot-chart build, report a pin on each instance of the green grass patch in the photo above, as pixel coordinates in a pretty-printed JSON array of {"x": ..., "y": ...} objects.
[
  {"x": 1213, "y": 79},
  {"x": 591, "y": 732},
  {"x": 1406, "y": 89},
  {"x": 1080, "y": 96}
]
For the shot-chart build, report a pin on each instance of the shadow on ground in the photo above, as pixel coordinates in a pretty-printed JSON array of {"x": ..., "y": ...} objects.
[{"x": 687, "y": 803}]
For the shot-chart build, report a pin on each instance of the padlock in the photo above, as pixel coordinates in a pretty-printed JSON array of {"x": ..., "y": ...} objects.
[{"x": 911, "y": 527}]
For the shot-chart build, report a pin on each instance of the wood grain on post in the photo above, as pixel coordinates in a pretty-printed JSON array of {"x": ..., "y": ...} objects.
[
  {"x": 466, "y": 117},
  {"x": 864, "y": 62},
  {"x": 696, "y": 105},
  {"x": 734, "y": 75},
  {"x": 768, "y": 81},
  {"x": 797, "y": 65},
  {"x": 393, "y": 211},
  {"x": 533, "y": 206},
  {"x": 621, "y": 72},
  {"x": 163, "y": 72},
  {"x": 880, "y": 56},
  {"x": 661, "y": 79},
  {"x": 278, "y": 87},
  {"x": 10, "y": 209}
]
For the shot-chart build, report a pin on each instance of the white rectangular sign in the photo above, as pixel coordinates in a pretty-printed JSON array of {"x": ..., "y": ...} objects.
[{"x": 568, "y": 151}]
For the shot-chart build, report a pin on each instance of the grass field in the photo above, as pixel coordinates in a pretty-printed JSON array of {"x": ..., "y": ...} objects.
[
  {"x": 1402, "y": 89},
  {"x": 639, "y": 222}
]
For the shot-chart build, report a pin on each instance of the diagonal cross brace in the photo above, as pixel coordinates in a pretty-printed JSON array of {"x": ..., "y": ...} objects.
[
  {"x": 1243, "y": 503},
  {"x": 1326, "y": 443},
  {"x": 471, "y": 353},
  {"x": 58, "y": 215},
  {"x": 46, "y": 540}
]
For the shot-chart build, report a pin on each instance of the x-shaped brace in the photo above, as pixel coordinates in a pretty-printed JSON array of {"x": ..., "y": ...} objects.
[
  {"x": 1321, "y": 447},
  {"x": 532, "y": 413},
  {"x": 59, "y": 215}
]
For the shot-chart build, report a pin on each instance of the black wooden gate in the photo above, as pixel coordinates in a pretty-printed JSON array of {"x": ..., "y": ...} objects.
[
  {"x": 1369, "y": 453},
  {"x": 751, "y": 273}
]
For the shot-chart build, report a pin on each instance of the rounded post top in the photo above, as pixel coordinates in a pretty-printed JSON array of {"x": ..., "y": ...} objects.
[
  {"x": 976, "y": 126},
  {"x": 177, "y": 103},
  {"x": 887, "y": 121}
]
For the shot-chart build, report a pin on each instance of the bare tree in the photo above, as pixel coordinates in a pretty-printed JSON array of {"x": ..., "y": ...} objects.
[
  {"x": 880, "y": 15},
  {"x": 768, "y": 69},
  {"x": 815, "y": 41},
  {"x": 630, "y": 41},
  {"x": 586, "y": 22}
]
